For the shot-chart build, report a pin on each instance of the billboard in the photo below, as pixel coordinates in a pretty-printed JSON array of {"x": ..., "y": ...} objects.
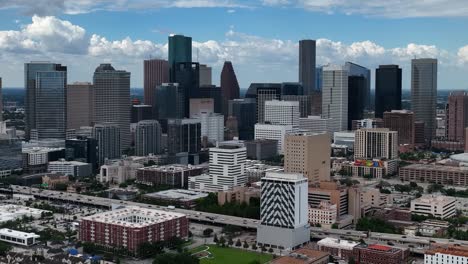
[{"x": 369, "y": 163}]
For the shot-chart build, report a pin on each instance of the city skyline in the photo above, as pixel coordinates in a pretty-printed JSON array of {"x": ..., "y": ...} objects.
[{"x": 124, "y": 34}]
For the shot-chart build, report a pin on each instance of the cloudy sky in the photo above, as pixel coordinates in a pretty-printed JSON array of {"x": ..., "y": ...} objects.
[{"x": 259, "y": 36}]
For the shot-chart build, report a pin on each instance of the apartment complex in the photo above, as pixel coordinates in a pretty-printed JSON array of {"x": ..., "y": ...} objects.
[
  {"x": 130, "y": 227},
  {"x": 376, "y": 143}
]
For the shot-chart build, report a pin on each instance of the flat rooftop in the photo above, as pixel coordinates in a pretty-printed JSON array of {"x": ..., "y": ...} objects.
[
  {"x": 11, "y": 212},
  {"x": 451, "y": 250},
  {"x": 301, "y": 256},
  {"x": 170, "y": 168},
  {"x": 284, "y": 176},
  {"x": 433, "y": 167},
  {"x": 430, "y": 199},
  {"x": 17, "y": 234},
  {"x": 133, "y": 216},
  {"x": 178, "y": 194},
  {"x": 337, "y": 243}
]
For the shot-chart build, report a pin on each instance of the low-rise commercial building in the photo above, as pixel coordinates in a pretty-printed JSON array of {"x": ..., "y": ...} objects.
[
  {"x": 175, "y": 175},
  {"x": 303, "y": 256},
  {"x": 18, "y": 237},
  {"x": 339, "y": 248},
  {"x": 52, "y": 180},
  {"x": 238, "y": 195},
  {"x": 177, "y": 197},
  {"x": 119, "y": 171},
  {"x": 70, "y": 168},
  {"x": 35, "y": 159},
  {"x": 434, "y": 173},
  {"x": 130, "y": 227},
  {"x": 371, "y": 254},
  {"x": 255, "y": 170},
  {"x": 325, "y": 214},
  {"x": 438, "y": 206},
  {"x": 12, "y": 212}
]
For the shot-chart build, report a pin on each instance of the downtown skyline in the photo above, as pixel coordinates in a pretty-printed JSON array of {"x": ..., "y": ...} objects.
[{"x": 125, "y": 35}]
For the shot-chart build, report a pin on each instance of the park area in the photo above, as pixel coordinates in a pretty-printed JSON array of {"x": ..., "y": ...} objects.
[{"x": 213, "y": 254}]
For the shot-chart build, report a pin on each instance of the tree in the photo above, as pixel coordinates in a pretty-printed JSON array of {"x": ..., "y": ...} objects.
[
  {"x": 254, "y": 246},
  {"x": 215, "y": 239},
  {"x": 263, "y": 249},
  {"x": 170, "y": 258},
  {"x": 230, "y": 241},
  {"x": 270, "y": 250},
  {"x": 246, "y": 245},
  {"x": 238, "y": 243},
  {"x": 351, "y": 260},
  {"x": 334, "y": 226},
  {"x": 4, "y": 248},
  {"x": 207, "y": 232},
  {"x": 222, "y": 241}
]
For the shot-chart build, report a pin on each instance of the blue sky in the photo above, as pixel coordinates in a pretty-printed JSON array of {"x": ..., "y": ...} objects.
[{"x": 259, "y": 36}]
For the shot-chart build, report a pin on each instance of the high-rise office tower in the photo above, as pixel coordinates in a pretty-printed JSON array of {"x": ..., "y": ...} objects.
[
  {"x": 213, "y": 92},
  {"x": 80, "y": 104},
  {"x": 457, "y": 115},
  {"x": 205, "y": 75},
  {"x": 424, "y": 93},
  {"x": 242, "y": 110},
  {"x": 371, "y": 143},
  {"x": 307, "y": 65},
  {"x": 1, "y": 101},
  {"x": 212, "y": 127},
  {"x": 147, "y": 138},
  {"x": 304, "y": 101},
  {"x": 187, "y": 75},
  {"x": 401, "y": 121},
  {"x": 141, "y": 112},
  {"x": 201, "y": 105},
  {"x": 30, "y": 72},
  {"x": 356, "y": 96},
  {"x": 180, "y": 51},
  {"x": 283, "y": 211},
  {"x": 263, "y": 92},
  {"x": 83, "y": 149},
  {"x": 170, "y": 101},
  {"x": 108, "y": 140},
  {"x": 184, "y": 135},
  {"x": 273, "y": 132},
  {"x": 112, "y": 100},
  {"x": 51, "y": 103},
  {"x": 358, "y": 70},
  {"x": 387, "y": 89},
  {"x": 291, "y": 88},
  {"x": 282, "y": 113},
  {"x": 229, "y": 86},
  {"x": 155, "y": 73},
  {"x": 335, "y": 96},
  {"x": 318, "y": 78},
  {"x": 308, "y": 154},
  {"x": 227, "y": 165}
]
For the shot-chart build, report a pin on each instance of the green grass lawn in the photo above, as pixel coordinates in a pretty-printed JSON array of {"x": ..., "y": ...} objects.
[{"x": 227, "y": 255}]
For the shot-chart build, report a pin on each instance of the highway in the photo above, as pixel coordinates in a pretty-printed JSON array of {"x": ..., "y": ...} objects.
[
  {"x": 108, "y": 203},
  {"x": 417, "y": 244}
]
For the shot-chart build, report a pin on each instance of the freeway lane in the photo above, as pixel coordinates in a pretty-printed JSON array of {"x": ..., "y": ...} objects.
[
  {"x": 229, "y": 220},
  {"x": 107, "y": 203}
]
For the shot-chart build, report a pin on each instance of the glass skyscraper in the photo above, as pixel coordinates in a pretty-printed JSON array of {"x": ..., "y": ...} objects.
[
  {"x": 30, "y": 75},
  {"x": 180, "y": 50},
  {"x": 51, "y": 104}
]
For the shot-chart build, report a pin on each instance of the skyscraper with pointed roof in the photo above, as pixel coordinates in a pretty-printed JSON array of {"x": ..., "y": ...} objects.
[{"x": 229, "y": 86}]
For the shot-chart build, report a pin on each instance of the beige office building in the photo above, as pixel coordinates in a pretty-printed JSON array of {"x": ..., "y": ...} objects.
[
  {"x": 80, "y": 105},
  {"x": 309, "y": 154}
]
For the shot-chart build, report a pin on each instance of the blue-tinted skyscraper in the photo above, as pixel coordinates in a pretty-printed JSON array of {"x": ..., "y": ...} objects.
[
  {"x": 51, "y": 104},
  {"x": 180, "y": 50},
  {"x": 358, "y": 70},
  {"x": 318, "y": 78},
  {"x": 30, "y": 75}
]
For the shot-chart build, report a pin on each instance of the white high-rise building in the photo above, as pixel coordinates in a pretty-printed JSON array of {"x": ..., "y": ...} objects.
[
  {"x": 314, "y": 124},
  {"x": 212, "y": 126},
  {"x": 275, "y": 132},
  {"x": 371, "y": 143},
  {"x": 335, "y": 96},
  {"x": 226, "y": 169},
  {"x": 283, "y": 211},
  {"x": 282, "y": 113}
]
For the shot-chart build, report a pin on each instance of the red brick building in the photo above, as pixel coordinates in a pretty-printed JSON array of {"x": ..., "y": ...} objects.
[
  {"x": 131, "y": 226},
  {"x": 379, "y": 254}
]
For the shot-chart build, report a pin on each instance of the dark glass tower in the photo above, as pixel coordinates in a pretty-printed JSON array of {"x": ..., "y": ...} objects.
[
  {"x": 170, "y": 103},
  {"x": 213, "y": 92},
  {"x": 82, "y": 149},
  {"x": 263, "y": 92},
  {"x": 242, "y": 110},
  {"x": 187, "y": 75},
  {"x": 180, "y": 50},
  {"x": 307, "y": 65},
  {"x": 229, "y": 86},
  {"x": 184, "y": 135},
  {"x": 387, "y": 89},
  {"x": 356, "y": 97}
]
